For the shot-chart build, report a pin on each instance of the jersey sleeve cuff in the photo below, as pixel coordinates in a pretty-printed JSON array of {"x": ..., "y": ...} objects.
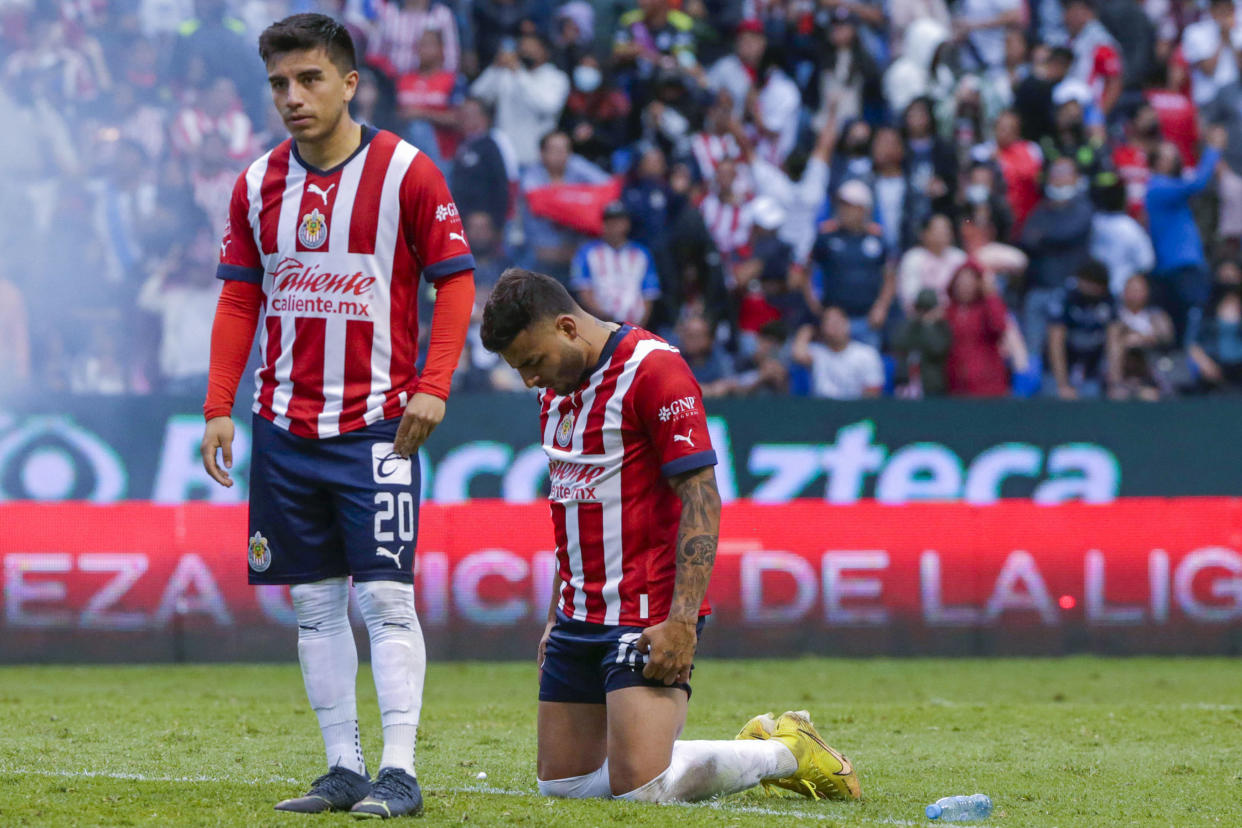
[
  {"x": 690, "y": 462},
  {"x": 238, "y": 273},
  {"x": 448, "y": 267}
]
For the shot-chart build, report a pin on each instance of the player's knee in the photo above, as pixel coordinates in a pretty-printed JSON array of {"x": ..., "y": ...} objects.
[
  {"x": 322, "y": 607},
  {"x": 633, "y": 776},
  {"x": 388, "y": 602}
]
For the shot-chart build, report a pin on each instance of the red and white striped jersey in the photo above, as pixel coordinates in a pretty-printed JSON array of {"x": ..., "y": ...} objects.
[
  {"x": 338, "y": 254},
  {"x": 611, "y": 446},
  {"x": 729, "y": 224},
  {"x": 709, "y": 150},
  {"x": 394, "y": 45}
]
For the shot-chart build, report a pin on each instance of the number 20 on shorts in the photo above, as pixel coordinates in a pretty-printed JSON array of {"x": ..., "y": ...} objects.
[{"x": 395, "y": 508}]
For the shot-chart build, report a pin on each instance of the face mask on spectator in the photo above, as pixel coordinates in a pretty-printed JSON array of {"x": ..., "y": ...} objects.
[
  {"x": 1063, "y": 192},
  {"x": 978, "y": 193},
  {"x": 587, "y": 78}
]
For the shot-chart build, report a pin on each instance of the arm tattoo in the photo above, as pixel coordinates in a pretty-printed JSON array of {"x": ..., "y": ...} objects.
[{"x": 697, "y": 538}]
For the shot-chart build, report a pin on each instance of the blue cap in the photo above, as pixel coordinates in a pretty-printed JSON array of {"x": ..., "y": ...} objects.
[{"x": 934, "y": 811}]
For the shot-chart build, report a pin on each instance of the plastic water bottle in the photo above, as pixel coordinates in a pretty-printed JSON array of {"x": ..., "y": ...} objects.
[{"x": 960, "y": 808}]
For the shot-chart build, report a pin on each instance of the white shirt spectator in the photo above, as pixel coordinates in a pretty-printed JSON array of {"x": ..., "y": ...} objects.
[
  {"x": 731, "y": 75},
  {"x": 186, "y": 313},
  {"x": 1201, "y": 41},
  {"x": 911, "y": 75},
  {"x": 779, "y": 102},
  {"x": 901, "y": 13},
  {"x": 920, "y": 268},
  {"x": 986, "y": 45},
  {"x": 845, "y": 374},
  {"x": 1122, "y": 245},
  {"x": 801, "y": 200},
  {"x": 528, "y": 104}
]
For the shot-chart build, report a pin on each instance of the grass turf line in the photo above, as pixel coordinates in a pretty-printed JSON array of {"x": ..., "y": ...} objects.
[{"x": 1056, "y": 742}]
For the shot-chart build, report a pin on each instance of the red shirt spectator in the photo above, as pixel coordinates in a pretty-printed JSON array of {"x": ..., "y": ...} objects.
[
  {"x": 1021, "y": 163},
  {"x": 432, "y": 93},
  {"x": 1178, "y": 121},
  {"x": 1132, "y": 166},
  {"x": 1179, "y": 117},
  {"x": 976, "y": 315}
]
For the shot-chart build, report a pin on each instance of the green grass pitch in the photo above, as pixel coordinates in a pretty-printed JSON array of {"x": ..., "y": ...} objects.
[{"x": 1058, "y": 742}]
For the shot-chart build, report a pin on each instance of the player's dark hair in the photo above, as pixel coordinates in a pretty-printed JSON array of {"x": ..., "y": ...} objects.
[
  {"x": 300, "y": 32},
  {"x": 521, "y": 298}
]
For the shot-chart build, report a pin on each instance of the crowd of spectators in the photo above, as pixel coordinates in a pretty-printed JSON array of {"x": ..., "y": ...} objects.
[{"x": 836, "y": 198}]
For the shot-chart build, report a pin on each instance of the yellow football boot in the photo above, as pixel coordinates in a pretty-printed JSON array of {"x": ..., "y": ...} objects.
[
  {"x": 822, "y": 773},
  {"x": 760, "y": 727}
]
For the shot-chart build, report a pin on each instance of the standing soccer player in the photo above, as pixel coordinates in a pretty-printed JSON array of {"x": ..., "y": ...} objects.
[
  {"x": 636, "y": 517},
  {"x": 328, "y": 236}
]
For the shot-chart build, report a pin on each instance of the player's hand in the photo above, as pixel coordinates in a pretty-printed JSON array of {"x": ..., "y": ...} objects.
[
  {"x": 543, "y": 643},
  {"x": 423, "y": 413},
  {"x": 669, "y": 647},
  {"x": 218, "y": 435}
]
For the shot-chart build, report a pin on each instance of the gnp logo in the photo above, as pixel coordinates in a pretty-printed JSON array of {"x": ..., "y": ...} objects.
[
  {"x": 389, "y": 468},
  {"x": 678, "y": 409}
]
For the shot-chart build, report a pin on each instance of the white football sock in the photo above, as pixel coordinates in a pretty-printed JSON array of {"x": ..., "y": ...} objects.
[
  {"x": 398, "y": 662},
  {"x": 704, "y": 769},
  {"x": 329, "y": 659},
  {"x": 587, "y": 786}
]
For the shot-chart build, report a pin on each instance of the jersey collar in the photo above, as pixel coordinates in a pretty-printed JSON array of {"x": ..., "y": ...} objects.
[
  {"x": 368, "y": 132},
  {"x": 614, "y": 339}
]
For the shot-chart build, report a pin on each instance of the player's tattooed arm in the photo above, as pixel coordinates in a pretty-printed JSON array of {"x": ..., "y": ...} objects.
[
  {"x": 697, "y": 537},
  {"x": 670, "y": 644}
]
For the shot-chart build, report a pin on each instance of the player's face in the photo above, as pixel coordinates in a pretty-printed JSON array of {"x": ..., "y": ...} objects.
[
  {"x": 310, "y": 93},
  {"x": 548, "y": 355}
]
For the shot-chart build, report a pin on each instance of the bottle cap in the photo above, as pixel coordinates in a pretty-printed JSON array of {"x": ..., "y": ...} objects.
[{"x": 934, "y": 811}]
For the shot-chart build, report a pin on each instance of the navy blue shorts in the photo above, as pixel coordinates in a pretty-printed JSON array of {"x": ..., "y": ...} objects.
[
  {"x": 325, "y": 508},
  {"x": 584, "y": 662}
]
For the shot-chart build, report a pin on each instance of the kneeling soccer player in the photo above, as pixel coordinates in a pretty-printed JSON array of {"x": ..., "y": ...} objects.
[{"x": 636, "y": 517}]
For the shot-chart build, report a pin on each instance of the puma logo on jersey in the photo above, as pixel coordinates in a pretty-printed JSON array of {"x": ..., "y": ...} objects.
[
  {"x": 386, "y": 553},
  {"x": 314, "y": 188},
  {"x": 685, "y": 438},
  {"x": 458, "y": 236}
]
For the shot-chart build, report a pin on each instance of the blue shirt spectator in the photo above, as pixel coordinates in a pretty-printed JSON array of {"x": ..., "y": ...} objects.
[
  {"x": 1174, "y": 233},
  {"x": 1180, "y": 282},
  {"x": 615, "y": 278},
  {"x": 852, "y": 262}
]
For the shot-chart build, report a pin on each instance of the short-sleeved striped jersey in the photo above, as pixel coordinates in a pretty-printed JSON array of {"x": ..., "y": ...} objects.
[{"x": 612, "y": 445}]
